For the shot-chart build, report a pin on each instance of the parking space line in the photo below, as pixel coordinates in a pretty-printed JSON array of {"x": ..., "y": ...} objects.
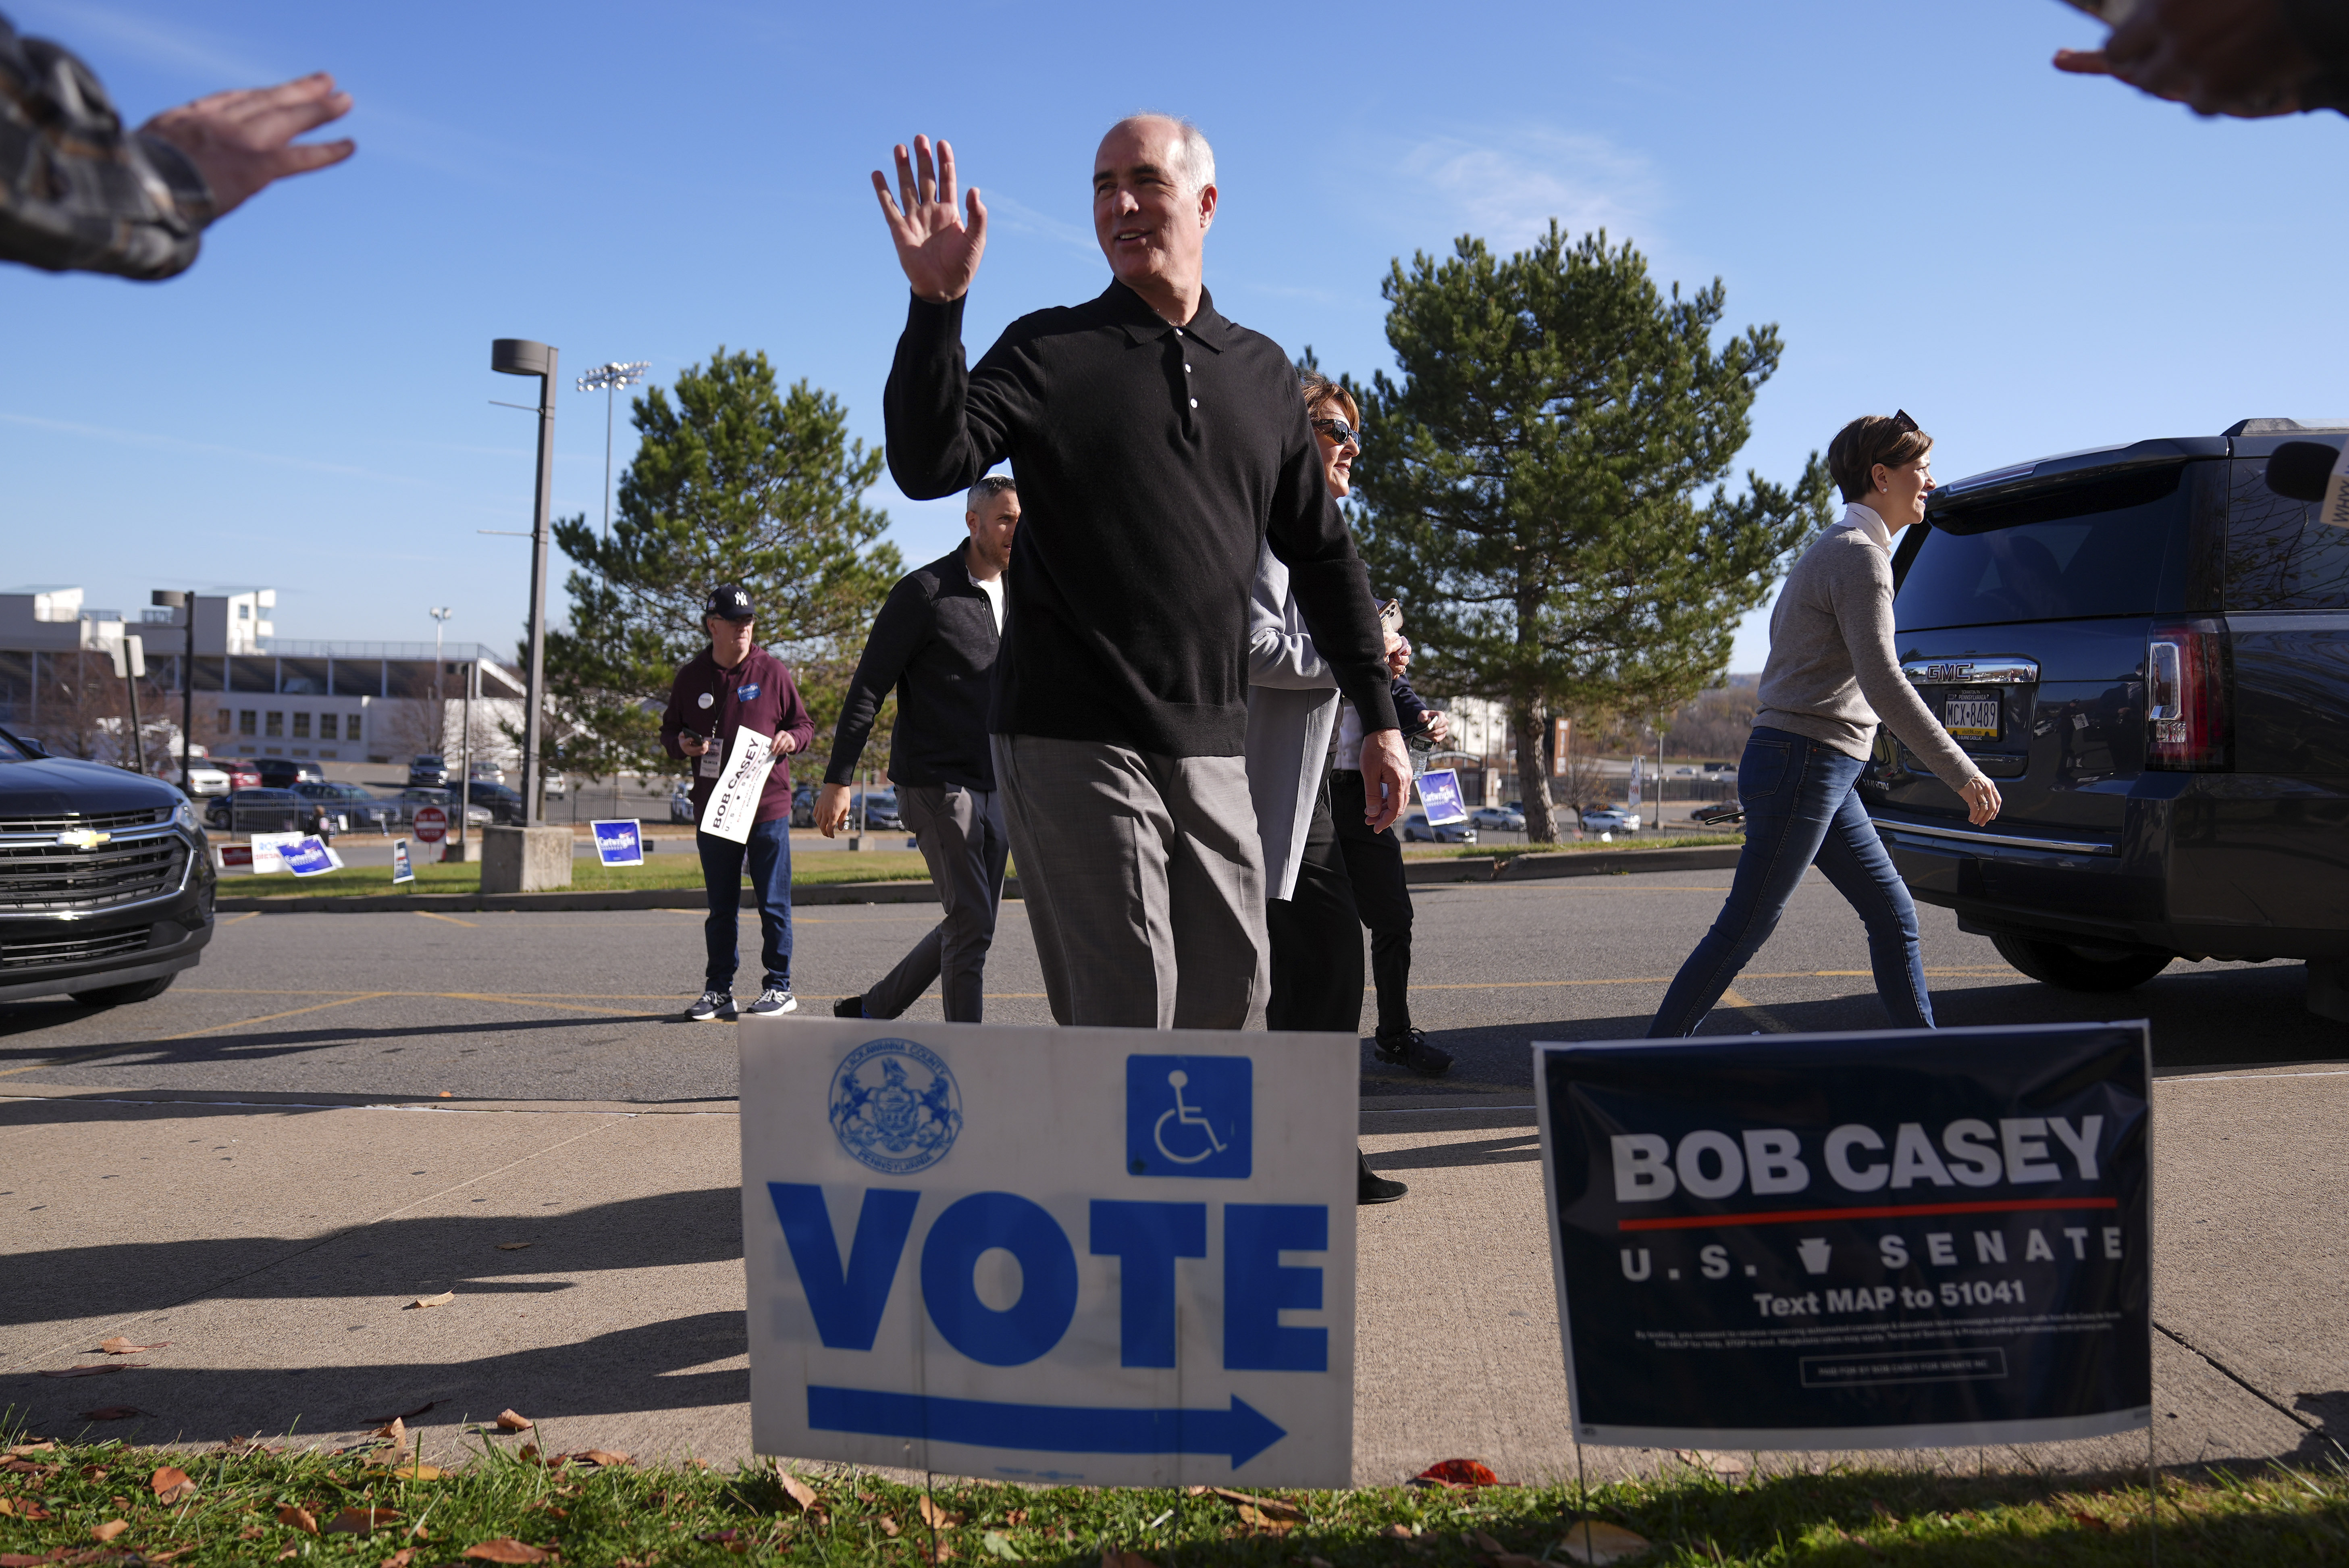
[
  {"x": 428, "y": 915},
  {"x": 1762, "y": 1015}
]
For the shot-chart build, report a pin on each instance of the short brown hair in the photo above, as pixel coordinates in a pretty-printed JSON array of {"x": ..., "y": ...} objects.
[
  {"x": 1895, "y": 441},
  {"x": 1321, "y": 391}
]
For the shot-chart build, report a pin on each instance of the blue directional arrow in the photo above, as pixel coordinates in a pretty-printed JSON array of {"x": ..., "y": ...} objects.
[{"x": 1242, "y": 1431}]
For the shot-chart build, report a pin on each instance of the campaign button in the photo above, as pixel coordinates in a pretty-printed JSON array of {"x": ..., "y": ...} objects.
[{"x": 1189, "y": 1116}]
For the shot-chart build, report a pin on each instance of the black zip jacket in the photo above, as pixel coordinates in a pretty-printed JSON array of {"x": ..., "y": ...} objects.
[
  {"x": 934, "y": 643},
  {"x": 1152, "y": 462}
]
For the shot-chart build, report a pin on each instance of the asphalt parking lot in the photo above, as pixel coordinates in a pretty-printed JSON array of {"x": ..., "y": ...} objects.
[
  {"x": 585, "y": 1006},
  {"x": 339, "y": 1112}
]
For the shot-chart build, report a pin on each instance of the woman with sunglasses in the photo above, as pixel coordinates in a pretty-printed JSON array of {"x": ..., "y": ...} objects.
[{"x": 1831, "y": 678}]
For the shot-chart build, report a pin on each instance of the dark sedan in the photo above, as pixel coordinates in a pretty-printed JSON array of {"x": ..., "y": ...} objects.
[
  {"x": 354, "y": 806},
  {"x": 258, "y": 810}
]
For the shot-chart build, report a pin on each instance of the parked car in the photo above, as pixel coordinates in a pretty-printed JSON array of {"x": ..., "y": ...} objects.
[
  {"x": 502, "y": 802},
  {"x": 2142, "y": 646},
  {"x": 1497, "y": 818},
  {"x": 1416, "y": 826},
  {"x": 242, "y": 773},
  {"x": 360, "y": 807},
  {"x": 875, "y": 808},
  {"x": 203, "y": 779},
  {"x": 1609, "y": 819},
  {"x": 488, "y": 773},
  {"x": 284, "y": 773},
  {"x": 105, "y": 879},
  {"x": 680, "y": 804},
  {"x": 804, "y": 805},
  {"x": 1682, "y": 772},
  {"x": 258, "y": 810},
  {"x": 554, "y": 784},
  {"x": 427, "y": 769}
]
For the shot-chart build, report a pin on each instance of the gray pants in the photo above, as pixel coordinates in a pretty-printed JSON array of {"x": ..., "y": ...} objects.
[
  {"x": 963, "y": 842},
  {"x": 1143, "y": 879}
]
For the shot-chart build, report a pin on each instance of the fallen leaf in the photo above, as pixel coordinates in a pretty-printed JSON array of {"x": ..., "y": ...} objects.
[
  {"x": 403, "y": 1416},
  {"x": 1487, "y": 1543},
  {"x": 445, "y": 1095},
  {"x": 511, "y": 1246},
  {"x": 604, "y": 1457},
  {"x": 937, "y": 1518},
  {"x": 361, "y": 1520},
  {"x": 1257, "y": 1519},
  {"x": 935, "y": 1550},
  {"x": 110, "y": 1530},
  {"x": 505, "y": 1549},
  {"x": 293, "y": 1516},
  {"x": 1596, "y": 1541},
  {"x": 1459, "y": 1472},
  {"x": 1316, "y": 1562},
  {"x": 287, "y": 1552},
  {"x": 399, "y": 1559},
  {"x": 39, "y": 1447},
  {"x": 416, "y": 1473},
  {"x": 118, "y": 1345},
  {"x": 27, "y": 1508},
  {"x": 2091, "y": 1521},
  {"x": 1726, "y": 1466},
  {"x": 995, "y": 1543},
  {"x": 98, "y": 1370},
  {"x": 888, "y": 1527},
  {"x": 12, "y": 1465},
  {"x": 443, "y": 1299},
  {"x": 800, "y": 1493},
  {"x": 1018, "y": 1516},
  {"x": 510, "y": 1422},
  {"x": 110, "y": 1413},
  {"x": 1398, "y": 1533},
  {"x": 1113, "y": 1558},
  {"x": 170, "y": 1485},
  {"x": 1270, "y": 1506}
]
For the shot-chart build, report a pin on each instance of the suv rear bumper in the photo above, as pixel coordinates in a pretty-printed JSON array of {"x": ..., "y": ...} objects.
[{"x": 2132, "y": 890}]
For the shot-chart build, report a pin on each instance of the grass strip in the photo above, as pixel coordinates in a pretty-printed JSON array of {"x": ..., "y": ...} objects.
[
  {"x": 1586, "y": 847},
  {"x": 257, "y": 1504},
  {"x": 660, "y": 870}
]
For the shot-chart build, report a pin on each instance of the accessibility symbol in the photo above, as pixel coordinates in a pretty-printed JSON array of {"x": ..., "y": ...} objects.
[
  {"x": 895, "y": 1106},
  {"x": 1189, "y": 1116}
]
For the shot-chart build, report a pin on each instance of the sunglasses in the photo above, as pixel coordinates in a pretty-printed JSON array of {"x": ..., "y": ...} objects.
[
  {"x": 1340, "y": 432},
  {"x": 1902, "y": 422}
]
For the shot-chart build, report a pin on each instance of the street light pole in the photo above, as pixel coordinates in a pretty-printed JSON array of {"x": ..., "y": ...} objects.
[
  {"x": 439, "y": 614},
  {"x": 609, "y": 379},
  {"x": 185, "y": 603},
  {"x": 521, "y": 357}
]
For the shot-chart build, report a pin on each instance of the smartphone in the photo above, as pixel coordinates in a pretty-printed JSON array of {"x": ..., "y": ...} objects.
[
  {"x": 1390, "y": 617},
  {"x": 691, "y": 735}
]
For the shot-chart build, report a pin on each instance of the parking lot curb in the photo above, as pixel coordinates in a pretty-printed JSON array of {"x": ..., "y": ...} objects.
[
  {"x": 903, "y": 892},
  {"x": 1569, "y": 863},
  {"x": 1462, "y": 868}
]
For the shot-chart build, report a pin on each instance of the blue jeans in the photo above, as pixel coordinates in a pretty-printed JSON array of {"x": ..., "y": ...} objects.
[
  {"x": 1801, "y": 807},
  {"x": 769, "y": 852}
]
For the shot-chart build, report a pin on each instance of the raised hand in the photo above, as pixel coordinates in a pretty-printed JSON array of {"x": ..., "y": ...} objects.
[
  {"x": 938, "y": 248},
  {"x": 2237, "y": 57},
  {"x": 241, "y": 139}
]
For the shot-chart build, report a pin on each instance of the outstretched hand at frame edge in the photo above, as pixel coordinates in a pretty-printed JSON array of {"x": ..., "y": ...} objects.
[{"x": 936, "y": 246}]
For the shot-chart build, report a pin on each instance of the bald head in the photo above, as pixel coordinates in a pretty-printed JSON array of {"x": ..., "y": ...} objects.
[{"x": 1153, "y": 199}]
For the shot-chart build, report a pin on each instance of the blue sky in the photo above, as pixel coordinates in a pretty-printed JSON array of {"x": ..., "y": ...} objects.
[{"x": 2029, "y": 263}]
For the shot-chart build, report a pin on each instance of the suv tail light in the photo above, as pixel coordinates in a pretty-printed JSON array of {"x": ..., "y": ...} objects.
[{"x": 2190, "y": 718}]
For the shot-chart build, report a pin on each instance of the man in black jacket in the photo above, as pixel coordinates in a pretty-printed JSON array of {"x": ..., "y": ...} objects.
[
  {"x": 1158, "y": 446},
  {"x": 935, "y": 643}
]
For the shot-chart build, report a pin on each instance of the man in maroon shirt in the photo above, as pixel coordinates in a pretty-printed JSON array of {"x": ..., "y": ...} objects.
[{"x": 732, "y": 686}]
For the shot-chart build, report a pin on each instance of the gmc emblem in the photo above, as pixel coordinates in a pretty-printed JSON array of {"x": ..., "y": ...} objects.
[{"x": 1945, "y": 674}]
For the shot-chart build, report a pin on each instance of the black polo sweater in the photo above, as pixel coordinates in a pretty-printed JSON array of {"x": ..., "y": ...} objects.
[
  {"x": 934, "y": 642},
  {"x": 1151, "y": 462}
]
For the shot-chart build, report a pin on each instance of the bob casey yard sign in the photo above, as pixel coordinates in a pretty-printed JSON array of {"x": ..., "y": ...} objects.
[
  {"x": 1120, "y": 1257},
  {"x": 1870, "y": 1240}
]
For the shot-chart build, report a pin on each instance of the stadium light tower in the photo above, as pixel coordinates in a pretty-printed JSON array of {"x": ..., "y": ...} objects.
[{"x": 608, "y": 380}]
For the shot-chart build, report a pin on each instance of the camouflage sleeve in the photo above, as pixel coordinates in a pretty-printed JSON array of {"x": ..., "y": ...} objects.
[{"x": 76, "y": 192}]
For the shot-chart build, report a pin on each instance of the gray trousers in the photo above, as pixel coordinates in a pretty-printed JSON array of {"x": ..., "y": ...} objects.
[
  {"x": 963, "y": 842},
  {"x": 1143, "y": 879}
]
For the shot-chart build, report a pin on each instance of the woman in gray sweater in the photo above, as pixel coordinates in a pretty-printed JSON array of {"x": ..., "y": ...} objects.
[{"x": 1832, "y": 676}]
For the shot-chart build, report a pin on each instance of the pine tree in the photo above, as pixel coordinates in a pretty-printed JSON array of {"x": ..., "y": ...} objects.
[
  {"x": 734, "y": 480},
  {"x": 1530, "y": 486}
]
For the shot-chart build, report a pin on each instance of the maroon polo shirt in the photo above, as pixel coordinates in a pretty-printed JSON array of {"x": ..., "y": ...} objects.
[{"x": 714, "y": 703}]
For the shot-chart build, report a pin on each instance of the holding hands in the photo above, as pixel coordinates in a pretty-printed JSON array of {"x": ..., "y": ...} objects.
[{"x": 937, "y": 248}]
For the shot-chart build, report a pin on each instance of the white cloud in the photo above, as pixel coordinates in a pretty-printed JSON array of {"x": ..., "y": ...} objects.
[{"x": 1506, "y": 187}]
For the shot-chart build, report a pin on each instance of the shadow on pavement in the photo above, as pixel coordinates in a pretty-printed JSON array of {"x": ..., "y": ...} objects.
[
  {"x": 650, "y": 1367},
  {"x": 381, "y": 1261},
  {"x": 260, "y": 1045}
]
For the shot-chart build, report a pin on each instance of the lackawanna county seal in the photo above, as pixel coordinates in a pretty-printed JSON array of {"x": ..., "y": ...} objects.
[{"x": 894, "y": 1106}]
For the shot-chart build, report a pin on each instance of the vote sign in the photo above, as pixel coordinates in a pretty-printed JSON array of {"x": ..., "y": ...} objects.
[
  {"x": 431, "y": 824},
  {"x": 1903, "y": 1238},
  {"x": 619, "y": 843},
  {"x": 310, "y": 856},
  {"x": 1119, "y": 1257},
  {"x": 1439, "y": 791}
]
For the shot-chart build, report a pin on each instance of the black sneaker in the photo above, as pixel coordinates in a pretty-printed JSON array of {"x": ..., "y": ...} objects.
[
  {"x": 849, "y": 1007},
  {"x": 714, "y": 1004},
  {"x": 774, "y": 1002},
  {"x": 1370, "y": 1187},
  {"x": 1410, "y": 1049}
]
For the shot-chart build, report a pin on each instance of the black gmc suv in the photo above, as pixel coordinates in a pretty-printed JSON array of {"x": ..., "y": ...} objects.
[
  {"x": 105, "y": 879},
  {"x": 2148, "y": 650}
]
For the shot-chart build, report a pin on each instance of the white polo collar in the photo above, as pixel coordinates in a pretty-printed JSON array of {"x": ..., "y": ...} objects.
[{"x": 1865, "y": 520}]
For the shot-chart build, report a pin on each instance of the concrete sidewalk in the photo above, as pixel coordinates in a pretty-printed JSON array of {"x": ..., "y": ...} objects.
[{"x": 275, "y": 1246}]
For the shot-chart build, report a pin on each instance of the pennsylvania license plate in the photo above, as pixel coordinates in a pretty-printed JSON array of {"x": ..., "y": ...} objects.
[{"x": 1971, "y": 718}]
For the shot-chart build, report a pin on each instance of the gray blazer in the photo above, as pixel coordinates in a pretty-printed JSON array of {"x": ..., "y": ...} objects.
[{"x": 1292, "y": 706}]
